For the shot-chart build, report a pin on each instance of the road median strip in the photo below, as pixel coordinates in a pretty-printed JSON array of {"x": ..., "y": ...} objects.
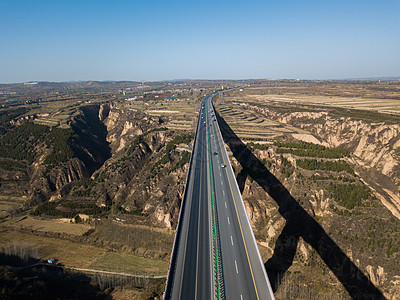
[{"x": 216, "y": 247}]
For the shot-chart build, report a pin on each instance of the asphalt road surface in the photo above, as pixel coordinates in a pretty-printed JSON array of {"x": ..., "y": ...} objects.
[{"x": 215, "y": 254}]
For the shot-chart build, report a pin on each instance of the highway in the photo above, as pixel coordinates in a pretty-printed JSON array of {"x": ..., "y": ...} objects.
[{"x": 215, "y": 255}]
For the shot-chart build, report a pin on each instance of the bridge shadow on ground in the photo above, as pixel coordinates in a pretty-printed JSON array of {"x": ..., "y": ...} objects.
[{"x": 298, "y": 224}]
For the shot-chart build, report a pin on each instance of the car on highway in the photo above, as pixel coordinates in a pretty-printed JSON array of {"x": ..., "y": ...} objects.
[
  {"x": 215, "y": 153},
  {"x": 223, "y": 166}
]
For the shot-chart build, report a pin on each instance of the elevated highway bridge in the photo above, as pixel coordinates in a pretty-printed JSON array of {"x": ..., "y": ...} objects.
[{"x": 215, "y": 254}]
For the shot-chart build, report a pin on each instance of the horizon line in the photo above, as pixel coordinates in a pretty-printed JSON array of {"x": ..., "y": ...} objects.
[{"x": 372, "y": 78}]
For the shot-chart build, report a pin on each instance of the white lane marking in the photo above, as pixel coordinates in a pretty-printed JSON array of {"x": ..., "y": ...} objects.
[
  {"x": 225, "y": 205},
  {"x": 220, "y": 174},
  {"x": 232, "y": 240},
  {"x": 229, "y": 223},
  {"x": 236, "y": 267},
  {"x": 197, "y": 260},
  {"x": 223, "y": 192},
  {"x": 241, "y": 297},
  {"x": 222, "y": 182}
]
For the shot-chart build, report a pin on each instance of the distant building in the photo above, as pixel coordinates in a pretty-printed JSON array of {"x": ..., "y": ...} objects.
[{"x": 51, "y": 261}]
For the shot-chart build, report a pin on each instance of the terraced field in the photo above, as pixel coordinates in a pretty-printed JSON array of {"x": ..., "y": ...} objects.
[
  {"x": 9, "y": 204},
  {"x": 178, "y": 115},
  {"x": 381, "y": 105},
  {"x": 250, "y": 125}
]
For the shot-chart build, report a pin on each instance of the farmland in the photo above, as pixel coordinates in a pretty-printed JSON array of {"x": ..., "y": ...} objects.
[{"x": 53, "y": 226}]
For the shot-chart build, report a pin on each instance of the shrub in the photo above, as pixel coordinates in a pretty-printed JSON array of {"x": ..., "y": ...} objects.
[
  {"x": 311, "y": 150},
  {"x": 257, "y": 146},
  {"x": 349, "y": 195},
  {"x": 135, "y": 143},
  {"x": 185, "y": 157},
  {"x": 59, "y": 140},
  {"x": 335, "y": 166},
  {"x": 287, "y": 168},
  {"x": 20, "y": 142},
  {"x": 7, "y": 115}
]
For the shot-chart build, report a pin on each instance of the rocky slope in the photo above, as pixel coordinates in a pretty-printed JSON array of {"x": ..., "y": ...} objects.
[
  {"x": 51, "y": 158},
  {"x": 110, "y": 159},
  {"x": 375, "y": 147},
  {"x": 143, "y": 176}
]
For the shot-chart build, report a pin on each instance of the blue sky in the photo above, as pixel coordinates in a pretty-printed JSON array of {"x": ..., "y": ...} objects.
[{"x": 61, "y": 40}]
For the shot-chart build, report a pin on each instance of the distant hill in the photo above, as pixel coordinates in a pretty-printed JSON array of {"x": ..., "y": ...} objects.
[{"x": 373, "y": 79}]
